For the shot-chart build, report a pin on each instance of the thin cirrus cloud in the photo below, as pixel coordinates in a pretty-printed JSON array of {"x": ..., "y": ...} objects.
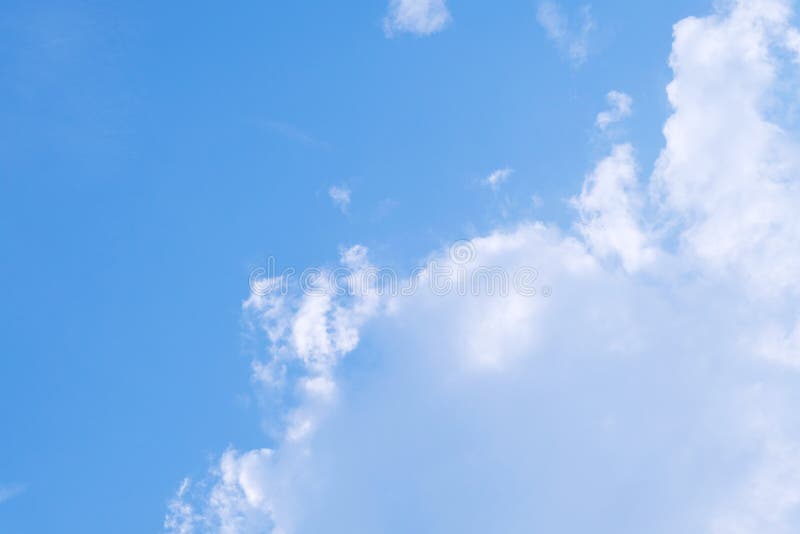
[
  {"x": 660, "y": 350},
  {"x": 571, "y": 38},
  {"x": 293, "y": 133},
  {"x": 418, "y": 17},
  {"x": 10, "y": 491}
]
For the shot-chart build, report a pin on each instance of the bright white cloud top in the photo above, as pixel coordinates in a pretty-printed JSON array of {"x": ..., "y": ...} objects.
[
  {"x": 420, "y": 17},
  {"x": 652, "y": 391}
]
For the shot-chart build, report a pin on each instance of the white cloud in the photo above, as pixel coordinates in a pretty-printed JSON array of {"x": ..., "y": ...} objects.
[
  {"x": 420, "y": 17},
  {"x": 573, "y": 41},
  {"x": 727, "y": 173},
  {"x": 610, "y": 211},
  {"x": 340, "y": 196},
  {"x": 498, "y": 177},
  {"x": 653, "y": 377},
  {"x": 180, "y": 514},
  {"x": 770, "y": 498},
  {"x": 308, "y": 334},
  {"x": 793, "y": 42},
  {"x": 780, "y": 344},
  {"x": 239, "y": 502},
  {"x": 621, "y": 108}
]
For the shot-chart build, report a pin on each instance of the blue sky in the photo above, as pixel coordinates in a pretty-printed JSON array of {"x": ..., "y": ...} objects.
[{"x": 152, "y": 155}]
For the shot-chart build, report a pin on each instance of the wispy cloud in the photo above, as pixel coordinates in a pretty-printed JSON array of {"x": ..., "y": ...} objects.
[
  {"x": 621, "y": 108},
  {"x": 10, "y": 491},
  {"x": 571, "y": 39},
  {"x": 419, "y": 17},
  {"x": 496, "y": 178},
  {"x": 294, "y": 133},
  {"x": 340, "y": 195}
]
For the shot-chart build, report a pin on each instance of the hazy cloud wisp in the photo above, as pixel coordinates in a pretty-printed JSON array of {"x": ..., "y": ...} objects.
[{"x": 571, "y": 39}]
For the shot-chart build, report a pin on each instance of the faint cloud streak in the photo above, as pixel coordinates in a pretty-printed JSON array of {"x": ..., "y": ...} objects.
[
  {"x": 293, "y": 133},
  {"x": 571, "y": 40},
  {"x": 10, "y": 491}
]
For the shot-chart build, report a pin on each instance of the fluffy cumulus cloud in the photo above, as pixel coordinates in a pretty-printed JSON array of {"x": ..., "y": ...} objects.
[
  {"x": 570, "y": 37},
  {"x": 610, "y": 208},
  {"x": 420, "y": 17},
  {"x": 644, "y": 380}
]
